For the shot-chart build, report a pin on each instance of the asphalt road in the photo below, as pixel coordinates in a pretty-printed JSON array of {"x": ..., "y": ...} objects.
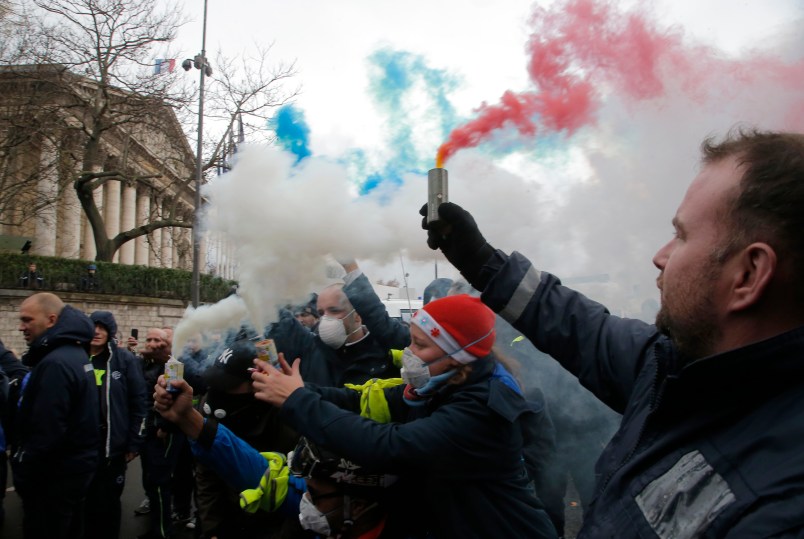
[
  {"x": 131, "y": 527},
  {"x": 133, "y": 494}
]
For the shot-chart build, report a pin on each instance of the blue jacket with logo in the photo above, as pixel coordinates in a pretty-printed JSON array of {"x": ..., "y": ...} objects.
[
  {"x": 57, "y": 421},
  {"x": 125, "y": 402},
  {"x": 713, "y": 448}
]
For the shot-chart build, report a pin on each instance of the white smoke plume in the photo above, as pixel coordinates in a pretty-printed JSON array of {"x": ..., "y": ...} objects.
[{"x": 597, "y": 214}]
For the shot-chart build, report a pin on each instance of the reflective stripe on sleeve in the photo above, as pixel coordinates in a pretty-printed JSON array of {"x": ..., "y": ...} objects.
[{"x": 522, "y": 295}]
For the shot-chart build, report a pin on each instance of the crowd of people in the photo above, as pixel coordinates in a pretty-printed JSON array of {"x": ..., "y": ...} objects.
[{"x": 469, "y": 420}]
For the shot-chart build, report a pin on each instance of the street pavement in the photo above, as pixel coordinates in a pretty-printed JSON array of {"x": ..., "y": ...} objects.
[{"x": 131, "y": 525}]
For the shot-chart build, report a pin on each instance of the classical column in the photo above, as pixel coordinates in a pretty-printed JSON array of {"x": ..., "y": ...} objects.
[
  {"x": 174, "y": 252},
  {"x": 47, "y": 190},
  {"x": 155, "y": 255},
  {"x": 143, "y": 213},
  {"x": 167, "y": 247},
  {"x": 70, "y": 213},
  {"x": 111, "y": 211},
  {"x": 128, "y": 217},
  {"x": 232, "y": 262},
  {"x": 223, "y": 257}
]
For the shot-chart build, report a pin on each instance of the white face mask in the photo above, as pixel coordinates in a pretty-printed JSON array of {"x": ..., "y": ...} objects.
[
  {"x": 332, "y": 331},
  {"x": 312, "y": 519},
  {"x": 414, "y": 370}
]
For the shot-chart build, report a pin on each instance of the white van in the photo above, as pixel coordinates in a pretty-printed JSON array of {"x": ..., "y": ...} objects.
[{"x": 402, "y": 309}]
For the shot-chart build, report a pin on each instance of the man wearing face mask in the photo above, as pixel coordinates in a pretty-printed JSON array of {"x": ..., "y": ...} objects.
[
  {"x": 230, "y": 401},
  {"x": 343, "y": 351}
]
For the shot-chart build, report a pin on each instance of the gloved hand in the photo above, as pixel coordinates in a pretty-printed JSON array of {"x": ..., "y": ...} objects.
[{"x": 458, "y": 237}]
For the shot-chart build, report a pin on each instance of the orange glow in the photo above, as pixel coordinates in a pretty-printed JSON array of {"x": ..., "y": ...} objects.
[{"x": 441, "y": 155}]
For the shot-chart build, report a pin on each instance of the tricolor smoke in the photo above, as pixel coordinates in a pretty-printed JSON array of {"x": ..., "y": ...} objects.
[{"x": 626, "y": 103}]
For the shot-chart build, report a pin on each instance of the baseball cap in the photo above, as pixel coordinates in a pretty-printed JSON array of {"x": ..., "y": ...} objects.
[{"x": 231, "y": 367}]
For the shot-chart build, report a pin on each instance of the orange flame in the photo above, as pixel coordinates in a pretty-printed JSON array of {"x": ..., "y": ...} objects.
[{"x": 442, "y": 155}]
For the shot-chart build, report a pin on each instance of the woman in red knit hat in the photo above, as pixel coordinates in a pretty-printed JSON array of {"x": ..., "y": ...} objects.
[{"x": 454, "y": 436}]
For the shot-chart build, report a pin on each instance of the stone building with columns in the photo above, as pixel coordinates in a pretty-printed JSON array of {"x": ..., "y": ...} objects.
[{"x": 43, "y": 132}]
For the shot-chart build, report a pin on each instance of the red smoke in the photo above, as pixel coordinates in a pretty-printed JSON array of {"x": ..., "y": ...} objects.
[{"x": 581, "y": 49}]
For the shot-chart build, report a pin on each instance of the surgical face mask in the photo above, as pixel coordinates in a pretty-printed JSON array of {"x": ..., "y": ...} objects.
[
  {"x": 414, "y": 370},
  {"x": 333, "y": 331},
  {"x": 312, "y": 519}
]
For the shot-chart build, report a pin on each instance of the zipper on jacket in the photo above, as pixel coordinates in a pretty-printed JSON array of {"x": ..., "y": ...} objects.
[{"x": 655, "y": 398}]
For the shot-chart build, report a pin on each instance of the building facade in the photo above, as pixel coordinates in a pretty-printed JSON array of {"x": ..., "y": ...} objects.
[{"x": 142, "y": 169}]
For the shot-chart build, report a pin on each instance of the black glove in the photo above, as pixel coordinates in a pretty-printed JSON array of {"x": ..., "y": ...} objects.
[{"x": 458, "y": 237}]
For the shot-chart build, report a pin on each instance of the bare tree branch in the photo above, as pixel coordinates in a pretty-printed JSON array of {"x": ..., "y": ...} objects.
[{"x": 76, "y": 79}]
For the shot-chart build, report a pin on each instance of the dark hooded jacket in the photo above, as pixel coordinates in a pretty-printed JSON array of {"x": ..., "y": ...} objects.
[
  {"x": 459, "y": 456},
  {"x": 123, "y": 404},
  {"x": 14, "y": 372},
  {"x": 57, "y": 423},
  {"x": 389, "y": 332},
  {"x": 713, "y": 448}
]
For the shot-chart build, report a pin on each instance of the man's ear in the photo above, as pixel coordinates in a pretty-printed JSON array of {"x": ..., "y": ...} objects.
[{"x": 754, "y": 269}]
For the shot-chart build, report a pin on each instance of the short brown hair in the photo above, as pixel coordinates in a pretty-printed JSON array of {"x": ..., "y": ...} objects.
[{"x": 769, "y": 206}]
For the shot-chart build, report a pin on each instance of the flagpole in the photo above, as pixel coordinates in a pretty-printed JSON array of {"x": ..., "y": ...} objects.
[{"x": 196, "y": 278}]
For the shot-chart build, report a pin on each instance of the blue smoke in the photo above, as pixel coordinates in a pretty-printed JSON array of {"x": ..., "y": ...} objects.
[
  {"x": 394, "y": 76},
  {"x": 292, "y": 131}
]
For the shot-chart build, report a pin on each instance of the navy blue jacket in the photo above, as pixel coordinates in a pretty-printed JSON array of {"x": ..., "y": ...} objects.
[
  {"x": 713, "y": 448},
  {"x": 321, "y": 365},
  {"x": 12, "y": 371},
  {"x": 459, "y": 456},
  {"x": 57, "y": 423},
  {"x": 12, "y": 366},
  {"x": 538, "y": 431},
  {"x": 389, "y": 332},
  {"x": 124, "y": 402}
]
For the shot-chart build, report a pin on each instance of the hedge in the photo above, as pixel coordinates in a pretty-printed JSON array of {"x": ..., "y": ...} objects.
[{"x": 61, "y": 274}]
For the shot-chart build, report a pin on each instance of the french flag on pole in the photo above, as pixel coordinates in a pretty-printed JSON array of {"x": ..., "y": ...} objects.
[{"x": 164, "y": 65}]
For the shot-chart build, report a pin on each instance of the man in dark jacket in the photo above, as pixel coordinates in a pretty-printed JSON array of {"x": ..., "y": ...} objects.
[
  {"x": 90, "y": 282},
  {"x": 307, "y": 313},
  {"x": 342, "y": 352},
  {"x": 711, "y": 442},
  {"x": 163, "y": 443},
  {"x": 32, "y": 278},
  {"x": 231, "y": 401},
  {"x": 57, "y": 423},
  {"x": 122, "y": 397}
]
